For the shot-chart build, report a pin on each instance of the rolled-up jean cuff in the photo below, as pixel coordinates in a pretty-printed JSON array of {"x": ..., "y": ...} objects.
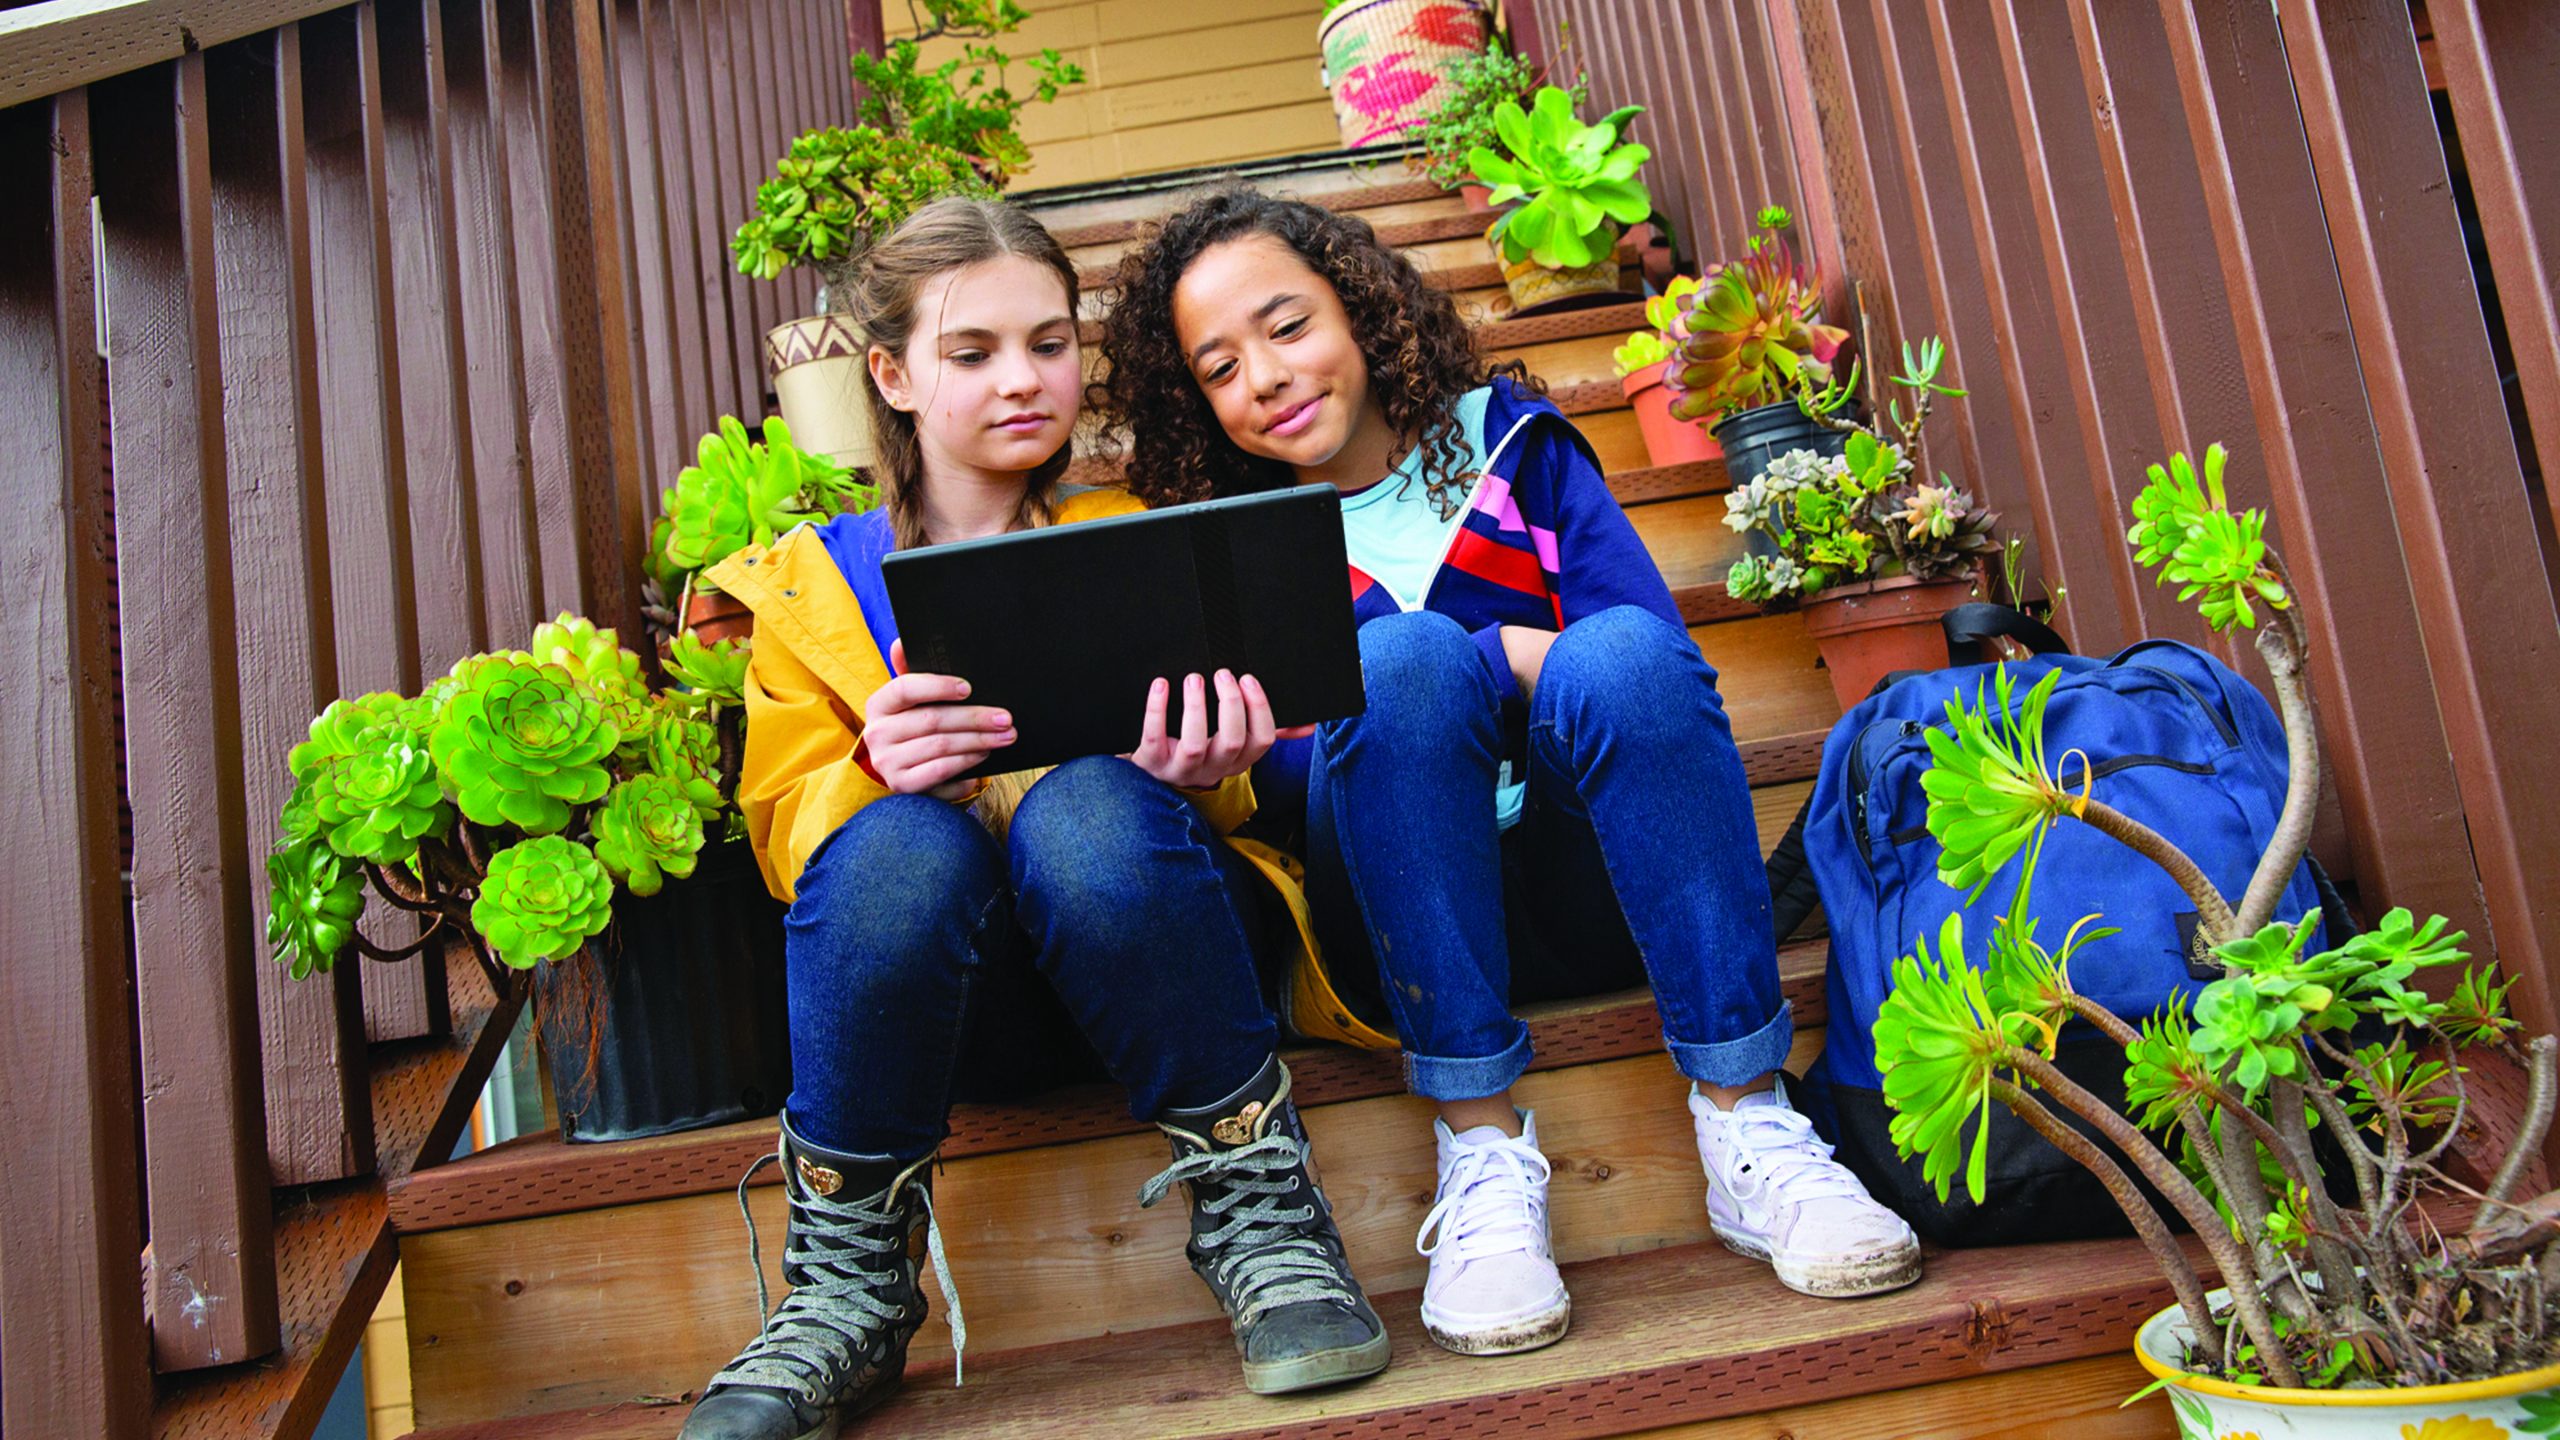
[
  {"x": 1436, "y": 1077},
  {"x": 1733, "y": 1062}
]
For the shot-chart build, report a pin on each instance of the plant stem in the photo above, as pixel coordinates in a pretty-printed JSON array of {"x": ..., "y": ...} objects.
[
  {"x": 2147, "y": 1224},
  {"x": 2333, "y": 1113},
  {"x": 2235, "y": 1263},
  {"x": 2537, "y": 1118},
  {"x": 2286, "y": 663},
  {"x": 2213, "y": 913},
  {"x": 2339, "y": 1287}
]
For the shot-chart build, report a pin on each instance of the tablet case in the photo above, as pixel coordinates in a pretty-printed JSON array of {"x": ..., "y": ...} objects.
[{"x": 1066, "y": 627}]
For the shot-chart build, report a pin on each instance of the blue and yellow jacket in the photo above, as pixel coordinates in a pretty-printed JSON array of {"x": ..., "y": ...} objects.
[{"x": 817, "y": 660}]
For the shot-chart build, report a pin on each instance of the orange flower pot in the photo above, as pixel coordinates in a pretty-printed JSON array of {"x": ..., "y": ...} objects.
[
  {"x": 1869, "y": 630},
  {"x": 714, "y": 616},
  {"x": 1668, "y": 439}
]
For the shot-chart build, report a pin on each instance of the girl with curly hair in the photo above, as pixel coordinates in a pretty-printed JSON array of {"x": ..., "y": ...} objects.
[
  {"x": 1543, "y": 798},
  {"x": 933, "y": 952}
]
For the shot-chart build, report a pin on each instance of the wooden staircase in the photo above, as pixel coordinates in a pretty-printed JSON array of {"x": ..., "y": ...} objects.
[{"x": 590, "y": 1290}]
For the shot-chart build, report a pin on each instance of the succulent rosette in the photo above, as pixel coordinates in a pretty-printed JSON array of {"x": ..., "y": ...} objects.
[
  {"x": 596, "y": 657},
  {"x": 542, "y": 899},
  {"x": 684, "y": 748},
  {"x": 646, "y": 830},
  {"x": 340, "y": 729},
  {"x": 314, "y": 895},
  {"x": 375, "y": 801},
  {"x": 713, "y": 674},
  {"x": 521, "y": 743}
]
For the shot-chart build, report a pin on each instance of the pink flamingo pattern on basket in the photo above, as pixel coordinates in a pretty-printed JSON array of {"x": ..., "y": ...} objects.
[
  {"x": 1383, "y": 91},
  {"x": 1460, "y": 27}
]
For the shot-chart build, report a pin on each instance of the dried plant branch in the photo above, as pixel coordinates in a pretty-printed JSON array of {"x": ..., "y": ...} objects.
[{"x": 2288, "y": 669}]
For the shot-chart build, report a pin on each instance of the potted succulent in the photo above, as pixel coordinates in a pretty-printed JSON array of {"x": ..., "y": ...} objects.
[
  {"x": 739, "y": 492},
  {"x": 1872, "y": 552},
  {"x": 1388, "y": 63},
  {"x": 1576, "y": 189},
  {"x": 2346, "y": 1310},
  {"x": 1463, "y": 119},
  {"x": 1754, "y": 337},
  {"x": 522, "y": 805},
  {"x": 965, "y": 104},
  {"x": 1641, "y": 364},
  {"x": 834, "y": 191}
]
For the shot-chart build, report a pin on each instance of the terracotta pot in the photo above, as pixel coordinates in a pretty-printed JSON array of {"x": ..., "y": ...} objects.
[
  {"x": 1668, "y": 439},
  {"x": 1533, "y": 284},
  {"x": 1383, "y": 61},
  {"x": 817, "y": 368},
  {"x": 1479, "y": 198},
  {"x": 2472, "y": 1410},
  {"x": 1869, "y": 630},
  {"x": 716, "y": 615}
]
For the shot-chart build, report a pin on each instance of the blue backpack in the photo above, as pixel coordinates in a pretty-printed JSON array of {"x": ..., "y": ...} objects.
[{"x": 2175, "y": 739}]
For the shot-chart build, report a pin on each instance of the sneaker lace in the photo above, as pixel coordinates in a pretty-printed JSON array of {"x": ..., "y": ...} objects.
[
  {"x": 1259, "y": 1256},
  {"x": 1775, "y": 1148},
  {"x": 1493, "y": 1201},
  {"x": 836, "y": 1311}
]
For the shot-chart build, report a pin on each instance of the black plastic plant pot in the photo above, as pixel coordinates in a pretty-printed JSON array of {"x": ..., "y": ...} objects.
[
  {"x": 1753, "y": 438},
  {"x": 679, "y": 1020}
]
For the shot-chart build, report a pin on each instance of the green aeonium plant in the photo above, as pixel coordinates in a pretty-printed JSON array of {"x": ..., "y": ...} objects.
[
  {"x": 1669, "y": 325},
  {"x": 1576, "y": 183},
  {"x": 2222, "y": 1097},
  {"x": 743, "y": 491},
  {"x": 504, "y": 806}
]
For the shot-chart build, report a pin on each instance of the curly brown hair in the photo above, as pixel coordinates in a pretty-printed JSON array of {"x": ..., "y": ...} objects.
[{"x": 1421, "y": 356}]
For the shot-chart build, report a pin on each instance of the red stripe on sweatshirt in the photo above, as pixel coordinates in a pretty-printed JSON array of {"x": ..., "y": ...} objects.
[{"x": 1496, "y": 562}]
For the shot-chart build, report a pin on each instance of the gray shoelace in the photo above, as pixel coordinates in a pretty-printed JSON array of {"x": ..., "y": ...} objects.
[
  {"x": 836, "y": 1312},
  {"x": 1259, "y": 1257}
]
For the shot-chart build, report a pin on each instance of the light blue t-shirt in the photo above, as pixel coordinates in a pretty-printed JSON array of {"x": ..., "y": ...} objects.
[{"x": 1394, "y": 535}]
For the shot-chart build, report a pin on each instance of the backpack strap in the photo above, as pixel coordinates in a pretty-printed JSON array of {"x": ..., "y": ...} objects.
[
  {"x": 1967, "y": 626},
  {"x": 1793, "y": 897}
]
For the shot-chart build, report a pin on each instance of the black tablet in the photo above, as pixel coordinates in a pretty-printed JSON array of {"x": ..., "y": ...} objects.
[{"x": 1066, "y": 627}]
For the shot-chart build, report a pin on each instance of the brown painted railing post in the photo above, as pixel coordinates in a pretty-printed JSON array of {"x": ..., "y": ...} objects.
[
  {"x": 597, "y": 370},
  {"x": 2499, "y": 59},
  {"x": 319, "y": 1115},
  {"x": 212, "y": 1274},
  {"x": 74, "y": 1350},
  {"x": 2475, "y": 563},
  {"x": 2382, "y": 739}
]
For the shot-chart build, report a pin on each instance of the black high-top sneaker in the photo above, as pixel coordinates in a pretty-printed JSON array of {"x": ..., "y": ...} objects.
[
  {"x": 1263, "y": 1238},
  {"x": 857, "y": 1229}
]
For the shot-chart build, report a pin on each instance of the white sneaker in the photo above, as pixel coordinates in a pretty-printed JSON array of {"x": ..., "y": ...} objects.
[
  {"x": 1493, "y": 1289},
  {"x": 1774, "y": 1193}
]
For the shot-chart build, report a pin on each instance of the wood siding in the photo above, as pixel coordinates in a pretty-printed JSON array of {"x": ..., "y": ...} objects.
[{"x": 1169, "y": 84}]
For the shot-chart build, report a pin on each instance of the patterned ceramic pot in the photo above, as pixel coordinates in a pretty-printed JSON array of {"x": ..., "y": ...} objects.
[
  {"x": 1383, "y": 61},
  {"x": 2523, "y": 1406},
  {"x": 817, "y": 368},
  {"x": 1532, "y": 284}
]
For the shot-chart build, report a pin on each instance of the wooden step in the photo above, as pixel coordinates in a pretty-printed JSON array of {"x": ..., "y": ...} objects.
[
  {"x": 1383, "y": 197},
  {"x": 543, "y": 1175},
  {"x": 1678, "y": 1336},
  {"x": 1462, "y": 264}
]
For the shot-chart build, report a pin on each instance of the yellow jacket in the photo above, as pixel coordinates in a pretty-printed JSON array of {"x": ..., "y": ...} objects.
[{"x": 812, "y": 672}]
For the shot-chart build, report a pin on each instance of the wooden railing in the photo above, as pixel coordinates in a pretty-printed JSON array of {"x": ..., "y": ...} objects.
[
  {"x": 393, "y": 319},
  {"x": 2144, "y": 227}
]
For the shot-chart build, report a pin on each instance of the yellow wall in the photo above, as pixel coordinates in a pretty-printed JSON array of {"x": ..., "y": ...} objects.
[
  {"x": 1169, "y": 84},
  {"x": 386, "y": 1365}
]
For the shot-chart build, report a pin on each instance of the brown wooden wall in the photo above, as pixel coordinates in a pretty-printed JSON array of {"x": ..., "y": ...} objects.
[
  {"x": 2145, "y": 227},
  {"x": 410, "y": 308}
]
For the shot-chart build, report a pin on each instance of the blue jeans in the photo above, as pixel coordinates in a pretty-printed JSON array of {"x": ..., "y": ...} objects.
[
  {"x": 1636, "y": 856},
  {"x": 1112, "y": 931}
]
